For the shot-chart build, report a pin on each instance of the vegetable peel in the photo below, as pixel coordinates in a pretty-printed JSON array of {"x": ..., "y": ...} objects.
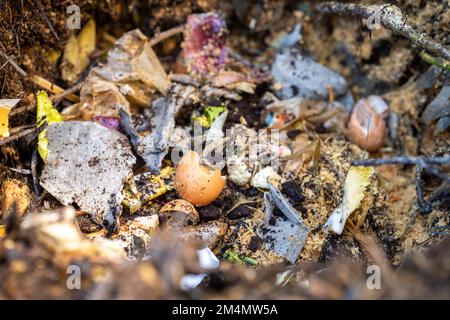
[
  {"x": 5, "y": 107},
  {"x": 46, "y": 114},
  {"x": 356, "y": 183}
]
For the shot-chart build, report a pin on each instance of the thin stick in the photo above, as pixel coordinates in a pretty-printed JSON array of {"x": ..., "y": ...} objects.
[
  {"x": 21, "y": 128},
  {"x": 58, "y": 97},
  {"x": 166, "y": 34},
  {"x": 34, "y": 172},
  {"x": 21, "y": 110},
  {"x": 55, "y": 89},
  {"x": 391, "y": 17},
  {"x": 21, "y": 171},
  {"x": 425, "y": 163},
  {"x": 13, "y": 64},
  {"x": 402, "y": 160},
  {"x": 47, "y": 21},
  {"x": 441, "y": 63},
  {"x": 17, "y": 136}
]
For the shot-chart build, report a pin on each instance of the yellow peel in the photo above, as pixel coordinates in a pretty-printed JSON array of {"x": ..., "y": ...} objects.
[
  {"x": 2, "y": 231},
  {"x": 5, "y": 107},
  {"x": 356, "y": 183},
  {"x": 46, "y": 114},
  {"x": 78, "y": 51}
]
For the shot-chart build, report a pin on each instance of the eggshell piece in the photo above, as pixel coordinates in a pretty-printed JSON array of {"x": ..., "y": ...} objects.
[
  {"x": 366, "y": 127},
  {"x": 197, "y": 183},
  {"x": 180, "y": 205}
]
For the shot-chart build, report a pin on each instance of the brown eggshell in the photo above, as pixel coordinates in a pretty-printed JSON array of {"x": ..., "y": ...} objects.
[
  {"x": 183, "y": 206},
  {"x": 197, "y": 183},
  {"x": 363, "y": 119}
]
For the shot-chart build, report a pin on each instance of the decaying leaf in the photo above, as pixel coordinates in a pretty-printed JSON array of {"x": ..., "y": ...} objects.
[
  {"x": 133, "y": 66},
  {"x": 87, "y": 164},
  {"x": 356, "y": 183},
  {"x": 131, "y": 76},
  {"x": 5, "y": 107},
  {"x": 98, "y": 97},
  {"x": 46, "y": 114},
  {"x": 14, "y": 191},
  {"x": 77, "y": 52}
]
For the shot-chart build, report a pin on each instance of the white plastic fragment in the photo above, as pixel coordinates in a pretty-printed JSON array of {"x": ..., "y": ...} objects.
[
  {"x": 282, "y": 235},
  {"x": 208, "y": 261},
  {"x": 356, "y": 182},
  {"x": 284, "y": 205}
]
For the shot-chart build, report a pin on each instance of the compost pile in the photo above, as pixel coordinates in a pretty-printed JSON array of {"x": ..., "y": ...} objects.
[{"x": 244, "y": 149}]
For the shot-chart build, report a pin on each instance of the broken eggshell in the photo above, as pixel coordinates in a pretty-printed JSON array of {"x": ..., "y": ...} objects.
[
  {"x": 177, "y": 213},
  {"x": 367, "y": 125},
  {"x": 207, "y": 260},
  {"x": 207, "y": 234},
  {"x": 197, "y": 183}
]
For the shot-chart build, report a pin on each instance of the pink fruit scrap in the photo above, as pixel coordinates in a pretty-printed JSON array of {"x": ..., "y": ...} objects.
[
  {"x": 204, "y": 46},
  {"x": 108, "y": 122}
]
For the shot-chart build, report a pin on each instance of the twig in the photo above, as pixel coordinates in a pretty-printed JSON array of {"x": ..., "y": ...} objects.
[
  {"x": 391, "y": 17},
  {"x": 20, "y": 128},
  {"x": 21, "y": 171},
  {"x": 47, "y": 21},
  {"x": 34, "y": 172},
  {"x": 441, "y": 63},
  {"x": 17, "y": 136},
  {"x": 13, "y": 64},
  {"x": 424, "y": 206},
  {"x": 55, "y": 89},
  {"x": 425, "y": 163},
  {"x": 166, "y": 34},
  {"x": 20, "y": 110},
  {"x": 58, "y": 97},
  {"x": 402, "y": 160}
]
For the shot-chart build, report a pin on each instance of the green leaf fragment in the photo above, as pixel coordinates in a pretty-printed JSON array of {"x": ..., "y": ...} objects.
[{"x": 211, "y": 113}]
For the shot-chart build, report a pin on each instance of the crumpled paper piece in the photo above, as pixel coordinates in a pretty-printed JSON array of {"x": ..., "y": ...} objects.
[{"x": 87, "y": 164}]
